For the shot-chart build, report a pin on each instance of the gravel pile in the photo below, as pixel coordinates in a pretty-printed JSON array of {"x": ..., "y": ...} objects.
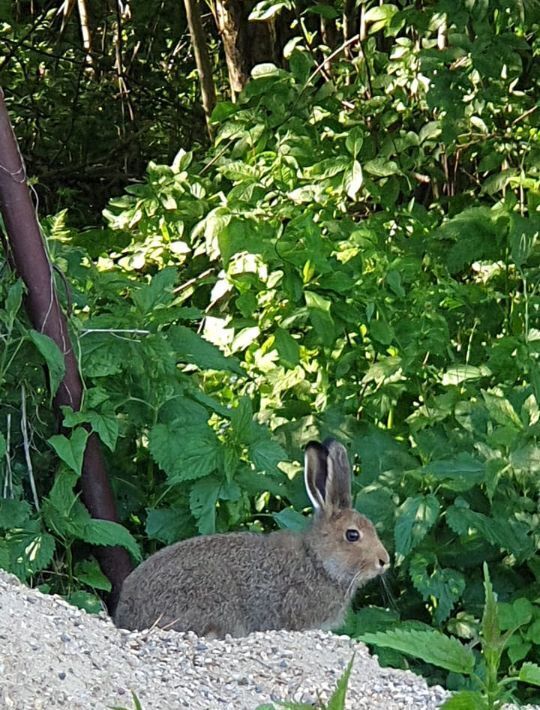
[{"x": 55, "y": 656}]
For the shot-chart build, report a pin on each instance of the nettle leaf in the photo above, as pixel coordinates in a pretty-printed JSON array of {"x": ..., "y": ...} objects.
[
  {"x": 104, "y": 425},
  {"x": 379, "y": 452},
  {"x": 168, "y": 525},
  {"x": 52, "y": 355},
  {"x": 266, "y": 454},
  {"x": 462, "y": 471},
  {"x": 185, "y": 453},
  {"x": 443, "y": 586},
  {"x": 71, "y": 450},
  {"x": 242, "y": 422},
  {"x": 13, "y": 513},
  {"x": 202, "y": 502},
  {"x": 193, "y": 349},
  {"x": 291, "y": 519},
  {"x": 510, "y": 535},
  {"x": 415, "y": 517},
  {"x": 108, "y": 533},
  {"x": 430, "y": 646},
  {"x": 491, "y": 632},
  {"x": 29, "y": 550},
  {"x": 158, "y": 292},
  {"x": 89, "y": 572}
]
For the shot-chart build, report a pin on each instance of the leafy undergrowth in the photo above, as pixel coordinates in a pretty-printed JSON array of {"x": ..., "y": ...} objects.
[{"x": 356, "y": 257}]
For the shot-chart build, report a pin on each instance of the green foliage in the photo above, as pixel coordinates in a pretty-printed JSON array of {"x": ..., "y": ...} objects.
[
  {"x": 356, "y": 255},
  {"x": 449, "y": 653}
]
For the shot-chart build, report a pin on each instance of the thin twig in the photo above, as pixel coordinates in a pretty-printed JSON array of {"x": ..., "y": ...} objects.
[
  {"x": 8, "y": 480},
  {"x": 26, "y": 445}
]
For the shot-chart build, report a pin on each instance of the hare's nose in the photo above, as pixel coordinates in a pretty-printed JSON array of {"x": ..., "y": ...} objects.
[{"x": 383, "y": 561}]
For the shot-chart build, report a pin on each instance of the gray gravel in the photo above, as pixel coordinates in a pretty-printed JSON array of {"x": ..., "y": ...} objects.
[{"x": 55, "y": 656}]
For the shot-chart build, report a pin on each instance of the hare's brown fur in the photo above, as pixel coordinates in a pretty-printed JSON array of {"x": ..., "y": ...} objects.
[{"x": 237, "y": 583}]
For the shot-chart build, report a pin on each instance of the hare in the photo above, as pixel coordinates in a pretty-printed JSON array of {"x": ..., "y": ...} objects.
[{"x": 236, "y": 583}]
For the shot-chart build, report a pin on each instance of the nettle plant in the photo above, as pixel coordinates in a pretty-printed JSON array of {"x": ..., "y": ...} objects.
[{"x": 356, "y": 257}]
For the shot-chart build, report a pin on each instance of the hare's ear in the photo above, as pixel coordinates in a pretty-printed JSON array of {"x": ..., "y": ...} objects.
[
  {"x": 315, "y": 474},
  {"x": 338, "y": 483}
]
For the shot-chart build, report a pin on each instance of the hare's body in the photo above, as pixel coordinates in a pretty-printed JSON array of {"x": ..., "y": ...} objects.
[
  {"x": 242, "y": 582},
  {"x": 203, "y": 597}
]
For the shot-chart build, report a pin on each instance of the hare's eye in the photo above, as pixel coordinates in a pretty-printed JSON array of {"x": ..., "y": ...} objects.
[{"x": 352, "y": 535}]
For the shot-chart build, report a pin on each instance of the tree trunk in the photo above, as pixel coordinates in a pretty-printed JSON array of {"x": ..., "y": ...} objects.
[
  {"x": 28, "y": 256},
  {"x": 202, "y": 59},
  {"x": 247, "y": 43},
  {"x": 231, "y": 23}
]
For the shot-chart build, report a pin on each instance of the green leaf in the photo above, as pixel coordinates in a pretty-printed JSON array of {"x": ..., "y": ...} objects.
[
  {"x": 379, "y": 167},
  {"x": 90, "y": 603},
  {"x": 501, "y": 411},
  {"x": 443, "y": 586},
  {"x": 191, "y": 348},
  {"x": 463, "y": 471},
  {"x": 530, "y": 673},
  {"x": 320, "y": 314},
  {"x": 353, "y": 179},
  {"x": 52, "y": 355},
  {"x": 168, "y": 525},
  {"x": 381, "y": 331},
  {"x": 184, "y": 452},
  {"x": 415, "y": 517},
  {"x": 14, "y": 300},
  {"x": 431, "y": 646},
  {"x": 266, "y": 454},
  {"x": 13, "y": 513},
  {"x": 511, "y": 535},
  {"x": 354, "y": 141},
  {"x": 291, "y": 519},
  {"x": 242, "y": 422},
  {"x": 516, "y": 614},
  {"x": 202, "y": 502},
  {"x": 287, "y": 347},
  {"x": 89, "y": 572},
  {"x": 71, "y": 450},
  {"x": 3, "y": 445},
  {"x": 456, "y": 374},
  {"x": 466, "y": 700},
  {"x": 337, "y": 699},
  {"x": 108, "y": 533},
  {"x": 266, "y": 9},
  {"x": 104, "y": 425},
  {"x": 491, "y": 633}
]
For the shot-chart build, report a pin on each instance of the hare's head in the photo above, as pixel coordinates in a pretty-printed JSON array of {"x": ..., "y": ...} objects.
[{"x": 344, "y": 540}]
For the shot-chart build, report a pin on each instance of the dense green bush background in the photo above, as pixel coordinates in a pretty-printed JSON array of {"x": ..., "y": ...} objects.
[{"x": 354, "y": 256}]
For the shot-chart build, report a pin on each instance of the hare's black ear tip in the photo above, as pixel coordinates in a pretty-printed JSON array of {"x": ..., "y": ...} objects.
[{"x": 314, "y": 445}]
